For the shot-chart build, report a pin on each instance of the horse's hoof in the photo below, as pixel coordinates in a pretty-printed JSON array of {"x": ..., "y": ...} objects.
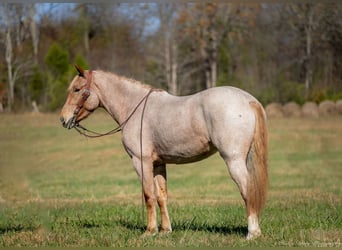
[
  {"x": 165, "y": 231},
  {"x": 253, "y": 235},
  {"x": 150, "y": 233}
]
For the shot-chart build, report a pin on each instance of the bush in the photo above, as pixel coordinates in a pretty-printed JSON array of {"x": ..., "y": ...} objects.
[
  {"x": 291, "y": 91},
  {"x": 37, "y": 85},
  {"x": 57, "y": 59},
  {"x": 60, "y": 73}
]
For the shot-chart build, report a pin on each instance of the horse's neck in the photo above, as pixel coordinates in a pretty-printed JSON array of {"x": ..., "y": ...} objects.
[{"x": 118, "y": 95}]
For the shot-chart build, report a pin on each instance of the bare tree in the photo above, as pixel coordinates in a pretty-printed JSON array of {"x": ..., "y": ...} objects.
[
  {"x": 12, "y": 17},
  {"x": 199, "y": 25},
  {"x": 9, "y": 54},
  {"x": 167, "y": 12},
  {"x": 34, "y": 29},
  {"x": 307, "y": 17},
  {"x": 206, "y": 25},
  {"x": 85, "y": 25}
]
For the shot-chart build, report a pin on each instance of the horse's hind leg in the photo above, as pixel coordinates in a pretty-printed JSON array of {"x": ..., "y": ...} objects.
[
  {"x": 159, "y": 173},
  {"x": 238, "y": 170}
]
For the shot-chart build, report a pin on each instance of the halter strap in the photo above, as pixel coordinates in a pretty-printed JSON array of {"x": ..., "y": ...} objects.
[{"x": 85, "y": 94}]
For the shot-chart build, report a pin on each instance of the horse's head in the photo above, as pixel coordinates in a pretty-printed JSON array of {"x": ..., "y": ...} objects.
[{"x": 81, "y": 101}]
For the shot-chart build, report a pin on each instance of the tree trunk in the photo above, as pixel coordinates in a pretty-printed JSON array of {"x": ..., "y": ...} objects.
[
  {"x": 167, "y": 57},
  {"x": 308, "y": 33},
  {"x": 34, "y": 32},
  {"x": 85, "y": 27},
  {"x": 213, "y": 57},
  {"x": 170, "y": 47},
  {"x": 174, "y": 65},
  {"x": 209, "y": 44},
  {"x": 9, "y": 59}
]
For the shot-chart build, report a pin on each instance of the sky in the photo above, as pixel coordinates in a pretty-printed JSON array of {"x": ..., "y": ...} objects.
[{"x": 61, "y": 10}]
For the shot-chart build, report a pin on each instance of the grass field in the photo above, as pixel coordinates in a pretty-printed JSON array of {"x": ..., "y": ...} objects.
[{"x": 58, "y": 188}]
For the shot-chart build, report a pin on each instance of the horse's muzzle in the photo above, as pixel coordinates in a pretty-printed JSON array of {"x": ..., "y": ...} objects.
[{"x": 70, "y": 123}]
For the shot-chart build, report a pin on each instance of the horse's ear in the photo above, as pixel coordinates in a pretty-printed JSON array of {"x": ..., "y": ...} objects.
[{"x": 79, "y": 70}]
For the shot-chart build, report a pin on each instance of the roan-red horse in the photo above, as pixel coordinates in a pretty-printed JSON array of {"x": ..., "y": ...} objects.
[{"x": 160, "y": 128}]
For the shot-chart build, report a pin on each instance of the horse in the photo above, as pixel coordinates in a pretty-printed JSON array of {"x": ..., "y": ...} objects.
[{"x": 159, "y": 128}]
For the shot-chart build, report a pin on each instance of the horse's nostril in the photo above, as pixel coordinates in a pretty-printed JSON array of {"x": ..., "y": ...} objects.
[{"x": 63, "y": 122}]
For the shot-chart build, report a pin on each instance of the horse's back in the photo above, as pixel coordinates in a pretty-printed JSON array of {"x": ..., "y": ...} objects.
[{"x": 229, "y": 95}]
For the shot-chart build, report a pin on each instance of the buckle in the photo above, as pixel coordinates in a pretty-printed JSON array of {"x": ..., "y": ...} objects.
[{"x": 85, "y": 94}]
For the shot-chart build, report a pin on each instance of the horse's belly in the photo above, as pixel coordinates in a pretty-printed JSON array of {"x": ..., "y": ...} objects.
[{"x": 187, "y": 155}]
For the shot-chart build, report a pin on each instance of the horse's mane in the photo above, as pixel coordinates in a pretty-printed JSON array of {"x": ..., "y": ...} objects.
[
  {"x": 119, "y": 78},
  {"x": 126, "y": 79}
]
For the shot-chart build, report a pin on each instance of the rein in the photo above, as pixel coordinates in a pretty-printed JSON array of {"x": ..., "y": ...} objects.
[{"x": 93, "y": 134}]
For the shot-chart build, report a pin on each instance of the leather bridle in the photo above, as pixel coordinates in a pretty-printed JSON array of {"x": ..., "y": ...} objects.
[{"x": 85, "y": 94}]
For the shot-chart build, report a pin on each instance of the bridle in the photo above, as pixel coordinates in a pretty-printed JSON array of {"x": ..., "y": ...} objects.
[{"x": 85, "y": 94}]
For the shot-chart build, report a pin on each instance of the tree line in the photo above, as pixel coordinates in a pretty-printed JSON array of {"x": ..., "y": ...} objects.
[{"x": 277, "y": 51}]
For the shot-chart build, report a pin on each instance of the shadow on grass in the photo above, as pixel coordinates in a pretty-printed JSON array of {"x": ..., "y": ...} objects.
[
  {"x": 226, "y": 230},
  {"x": 192, "y": 226},
  {"x": 16, "y": 228},
  {"x": 132, "y": 225}
]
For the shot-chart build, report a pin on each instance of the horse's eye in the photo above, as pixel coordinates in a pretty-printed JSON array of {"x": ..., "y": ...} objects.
[{"x": 76, "y": 90}]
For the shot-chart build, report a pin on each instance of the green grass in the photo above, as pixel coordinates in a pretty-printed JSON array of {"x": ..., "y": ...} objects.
[{"x": 58, "y": 188}]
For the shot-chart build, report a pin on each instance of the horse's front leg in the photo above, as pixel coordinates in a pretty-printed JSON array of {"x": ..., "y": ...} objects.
[
  {"x": 159, "y": 173},
  {"x": 146, "y": 177}
]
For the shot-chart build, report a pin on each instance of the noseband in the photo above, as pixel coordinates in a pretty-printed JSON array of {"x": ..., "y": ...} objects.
[{"x": 85, "y": 94}]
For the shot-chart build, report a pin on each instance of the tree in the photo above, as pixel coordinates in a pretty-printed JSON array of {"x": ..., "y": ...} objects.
[
  {"x": 306, "y": 21},
  {"x": 199, "y": 24},
  {"x": 84, "y": 22},
  {"x": 205, "y": 26},
  {"x": 34, "y": 29},
  {"x": 15, "y": 65},
  {"x": 58, "y": 62},
  {"x": 9, "y": 55},
  {"x": 271, "y": 50},
  {"x": 167, "y": 14}
]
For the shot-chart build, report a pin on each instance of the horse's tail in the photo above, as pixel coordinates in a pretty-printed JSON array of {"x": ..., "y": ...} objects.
[{"x": 257, "y": 163}]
